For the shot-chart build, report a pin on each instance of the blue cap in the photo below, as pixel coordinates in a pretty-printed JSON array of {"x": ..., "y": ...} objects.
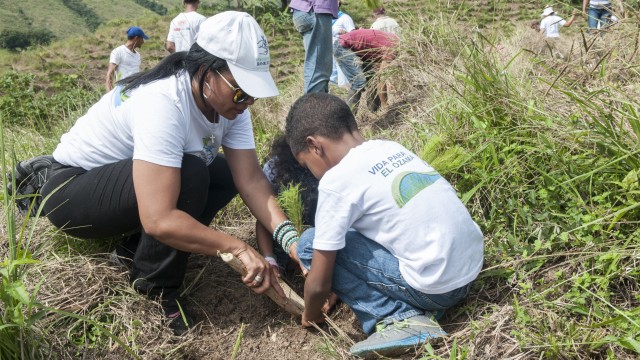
[{"x": 136, "y": 31}]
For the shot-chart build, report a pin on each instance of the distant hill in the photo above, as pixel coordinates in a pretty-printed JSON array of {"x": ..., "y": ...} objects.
[{"x": 65, "y": 18}]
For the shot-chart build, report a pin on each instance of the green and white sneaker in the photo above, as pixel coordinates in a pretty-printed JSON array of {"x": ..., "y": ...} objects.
[{"x": 399, "y": 336}]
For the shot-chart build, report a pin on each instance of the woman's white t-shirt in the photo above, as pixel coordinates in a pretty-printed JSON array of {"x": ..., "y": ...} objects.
[
  {"x": 157, "y": 122},
  {"x": 388, "y": 194}
]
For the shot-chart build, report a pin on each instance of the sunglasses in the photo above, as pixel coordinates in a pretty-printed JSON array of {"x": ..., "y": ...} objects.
[{"x": 240, "y": 96}]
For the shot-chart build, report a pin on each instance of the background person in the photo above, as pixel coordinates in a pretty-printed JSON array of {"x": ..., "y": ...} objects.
[
  {"x": 597, "y": 13},
  {"x": 283, "y": 170},
  {"x": 551, "y": 23},
  {"x": 391, "y": 238},
  {"x": 145, "y": 159},
  {"x": 376, "y": 49},
  {"x": 343, "y": 24},
  {"x": 385, "y": 23},
  {"x": 184, "y": 27},
  {"x": 312, "y": 19},
  {"x": 125, "y": 60}
]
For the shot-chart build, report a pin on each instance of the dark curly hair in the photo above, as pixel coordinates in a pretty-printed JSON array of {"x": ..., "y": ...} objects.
[{"x": 284, "y": 170}]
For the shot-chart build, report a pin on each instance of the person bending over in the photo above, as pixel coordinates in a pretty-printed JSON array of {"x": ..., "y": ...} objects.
[
  {"x": 551, "y": 23},
  {"x": 376, "y": 49},
  {"x": 283, "y": 170},
  {"x": 144, "y": 160}
]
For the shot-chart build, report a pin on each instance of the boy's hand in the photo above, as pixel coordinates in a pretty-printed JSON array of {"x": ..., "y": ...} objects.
[
  {"x": 309, "y": 322},
  {"x": 329, "y": 303}
]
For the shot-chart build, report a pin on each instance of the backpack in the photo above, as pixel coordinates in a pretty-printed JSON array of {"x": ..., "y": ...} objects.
[{"x": 30, "y": 176}]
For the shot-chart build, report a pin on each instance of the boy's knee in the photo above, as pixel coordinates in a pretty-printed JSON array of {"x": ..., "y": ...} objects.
[{"x": 305, "y": 246}]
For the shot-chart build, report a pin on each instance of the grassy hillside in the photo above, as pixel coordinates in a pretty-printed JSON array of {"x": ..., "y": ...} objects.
[
  {"x": 63, "y": 22},
  {"x": 540, "y": 139}
]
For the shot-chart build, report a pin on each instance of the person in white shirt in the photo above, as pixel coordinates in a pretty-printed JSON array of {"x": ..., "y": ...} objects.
[
  {"x": 125, "y": 60},
  {"x": 145, "y": 160},
  {"x": 551, "y": 23},
  {"x": 342, "y": 25},
  {"x": 391, "y": 238},
  {"x": 384, "y": 22},
  {"x": 184, "y": 27}
]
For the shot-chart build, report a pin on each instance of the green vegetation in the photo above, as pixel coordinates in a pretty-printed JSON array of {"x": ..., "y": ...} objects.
[
  {"x": 90, "y": 17},
  {"x": 25, "y": 104},
  {"x": 18, "y": 330},
  {"x": 153, "y": 6},
  {"x": 290, "y": 201},
  {"x": 17, "y": 40},
  {"x": 540, "y": 140}
]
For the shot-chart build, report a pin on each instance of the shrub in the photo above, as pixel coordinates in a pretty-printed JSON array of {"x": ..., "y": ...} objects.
[
  {"x": 15, "y": 39},
  {"x": 153, "y": 6},
  {"x": 90, "y": 18}
]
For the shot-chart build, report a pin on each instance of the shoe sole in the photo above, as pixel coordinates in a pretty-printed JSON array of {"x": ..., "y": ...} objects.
[{"x": 403, "y": 344}]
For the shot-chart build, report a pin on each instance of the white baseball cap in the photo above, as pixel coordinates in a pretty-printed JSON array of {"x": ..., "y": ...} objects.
[
  {"x": 547, "y": 11},
  {"x": 237, "y": 38}
]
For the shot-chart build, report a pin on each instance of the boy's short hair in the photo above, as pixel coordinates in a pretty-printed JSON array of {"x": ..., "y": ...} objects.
[{"x": 318, "y": 114}]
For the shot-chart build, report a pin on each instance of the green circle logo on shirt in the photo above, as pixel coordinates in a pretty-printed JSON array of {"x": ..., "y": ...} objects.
[{"x": 407, "y": 184}]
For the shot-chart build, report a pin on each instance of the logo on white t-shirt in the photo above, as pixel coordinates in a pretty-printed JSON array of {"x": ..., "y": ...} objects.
[
  {"x": 209, "y": 151},
  {"x": 408, "y": 184}
]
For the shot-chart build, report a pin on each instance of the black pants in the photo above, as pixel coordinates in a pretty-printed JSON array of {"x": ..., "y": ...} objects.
[{"x": 102, "y": 203}]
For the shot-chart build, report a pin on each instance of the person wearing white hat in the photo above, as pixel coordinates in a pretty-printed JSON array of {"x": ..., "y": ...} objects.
[
  {"x": 551, "y": 23},
  {"x": 144, "y": 161}
]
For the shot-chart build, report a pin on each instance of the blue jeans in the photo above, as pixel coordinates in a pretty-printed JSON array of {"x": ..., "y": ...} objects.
[
  {"x": 367, "y": 278},
  {"x": 595, "y": 16},
  {"x": 316, "y": 37},
  {"x": 347, "y": 60}
]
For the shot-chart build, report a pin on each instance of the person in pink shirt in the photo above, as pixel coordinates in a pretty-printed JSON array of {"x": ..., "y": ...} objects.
[{"x": 376, "y": 49}]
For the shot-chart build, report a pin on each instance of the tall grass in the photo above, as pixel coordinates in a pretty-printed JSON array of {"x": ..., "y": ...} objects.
[
  {"x": 548, "y": 165},
  {"x": 20, "y": 311},
  {"x": 544, "y": 152}
]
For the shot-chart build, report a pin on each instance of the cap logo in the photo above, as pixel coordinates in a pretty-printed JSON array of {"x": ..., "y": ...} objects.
[
  {"x": 263, "y": 52},
  {"x": 263, "y": 46}
]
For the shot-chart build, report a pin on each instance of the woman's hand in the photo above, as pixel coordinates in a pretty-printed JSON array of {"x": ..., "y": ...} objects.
[{"x": 260, "y": 276}]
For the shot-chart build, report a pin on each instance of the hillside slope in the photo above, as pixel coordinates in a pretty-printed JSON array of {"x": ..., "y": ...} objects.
[{"x": 63, "y": 22}]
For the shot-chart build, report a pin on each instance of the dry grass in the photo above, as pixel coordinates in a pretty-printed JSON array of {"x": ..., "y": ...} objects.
[{"x": 428, "y": 99}]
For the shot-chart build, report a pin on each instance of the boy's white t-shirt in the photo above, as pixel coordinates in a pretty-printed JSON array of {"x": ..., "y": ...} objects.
[
  {"x": 184, "y": 28},
  {"x": 552, "y": 25},
  {"x": 388, "y": 194},
  {"x": 128, "y": 61},
  {"x": 157, "y": 122}
]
